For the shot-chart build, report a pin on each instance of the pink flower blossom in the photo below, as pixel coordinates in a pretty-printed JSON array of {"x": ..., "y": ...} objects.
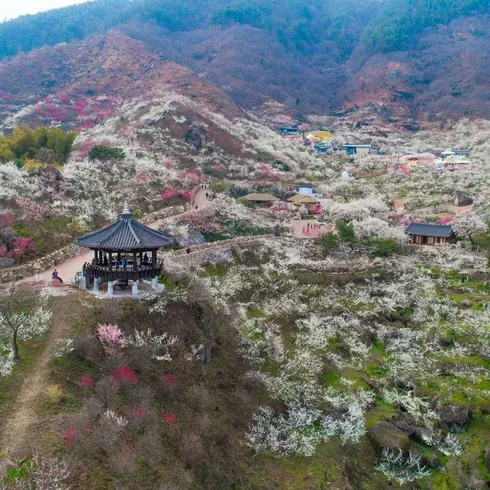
[
  {"x": 168, "y": 193},
  {"x": 137, "y": 411},
  {"x": 86, "y": 380},
  {"x": 63, "y": 97},
  {"x": 445, "y": 220},
  {"x": 125, "y": 374},
  {"x": 111, "y": 337},
  {"x": 22, "y": 247},
  {"x": 69, "y": 434},
  {"x": 6, "y": 218},
  {"x": 169, "y": 418},
  {"x": 170, "y": 380},
  {"x": 193, "y": 176}
]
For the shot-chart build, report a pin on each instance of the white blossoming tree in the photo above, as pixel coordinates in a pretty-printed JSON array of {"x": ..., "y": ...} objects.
[
  {"x": 23, "y": 315},
  {"x": 469, "y": 225}
]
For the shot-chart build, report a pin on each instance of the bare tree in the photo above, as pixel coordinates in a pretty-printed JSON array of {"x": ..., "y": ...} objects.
[{"x": 23, "y": 315}]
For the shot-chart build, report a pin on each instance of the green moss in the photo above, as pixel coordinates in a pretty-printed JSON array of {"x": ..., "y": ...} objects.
[
  {"x": 215, "y": 270},
  {"x": 382, "y": 411},
  {"x": 18, "y": 472},
  {"x": 253, "y": 312},
  {"x": 331, "y": 378}
]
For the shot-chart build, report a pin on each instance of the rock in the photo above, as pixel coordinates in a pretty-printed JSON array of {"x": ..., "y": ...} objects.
[
  {"x": 421, "y": 434},
  {"x": 411, "y": 126},
  {"x": 454, "y": 414},
  {"x": 386, "y": 435},
  {"x": 195, "y": 137},
  {"x": 462, "y": 199},
  {"x": 428, "y": 461},
  {"x": 404, "y": 426},
  {"x": 6, "y": 262},
  {"x": 466, "y": 303}
]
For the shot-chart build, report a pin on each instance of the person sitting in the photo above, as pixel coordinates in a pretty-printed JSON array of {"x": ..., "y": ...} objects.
[
  {"x": 145, "y": 259},
  {"x": 55, "y": 276}
]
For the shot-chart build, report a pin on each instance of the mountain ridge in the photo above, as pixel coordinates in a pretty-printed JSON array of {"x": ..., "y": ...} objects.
[{"x": 310, "y": 57}]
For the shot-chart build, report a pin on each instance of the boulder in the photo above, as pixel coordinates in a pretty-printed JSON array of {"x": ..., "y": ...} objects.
[
  {"x": 195, "y": 137},
  {"x": 455, "y": 414},
  {"x": 421, "y": 434},
  {"x": 462, "y": 199},
  {"x": 6, "y": 262},
  {"x": 404, "y": 426},
  {"x": 466, "y": 303},
  {"x": 386, "y": 435}
]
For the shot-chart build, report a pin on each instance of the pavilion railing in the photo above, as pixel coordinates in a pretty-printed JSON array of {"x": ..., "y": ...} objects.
[{"x": 120, "y": 273}]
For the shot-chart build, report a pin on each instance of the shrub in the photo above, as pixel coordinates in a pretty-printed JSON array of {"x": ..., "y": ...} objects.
[
  {"x": 111, "y": 337},
  {"x": 192, "y": 449},
  {"x": 124, "y": 374},
  {"x": 104, "y": 153},
  {"x": 383, "y": 247}
]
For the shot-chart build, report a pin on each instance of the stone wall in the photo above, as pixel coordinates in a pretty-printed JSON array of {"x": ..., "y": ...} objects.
[
  {"x": 201, "y": 254},
  {"x": 39, "y": 265},
  {"x": 162, "y": 214}
]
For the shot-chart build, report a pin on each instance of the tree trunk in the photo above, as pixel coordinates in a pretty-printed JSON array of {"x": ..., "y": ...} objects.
[
  {"x": 15, "y": 347},
  {"x": 471, "y": 239}
]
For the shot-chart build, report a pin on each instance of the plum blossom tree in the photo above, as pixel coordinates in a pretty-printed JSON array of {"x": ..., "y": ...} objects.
[
  {"x": 23, "y": 315},
  {"x": 468, "y": 225}
]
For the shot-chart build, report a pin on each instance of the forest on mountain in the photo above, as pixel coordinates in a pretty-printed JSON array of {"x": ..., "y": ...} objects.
[
  {"x": 297, "y": 24},
  {"x": 404, "y": 60}
]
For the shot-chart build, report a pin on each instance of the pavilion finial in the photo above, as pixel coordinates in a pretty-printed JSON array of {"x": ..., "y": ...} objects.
[{"x": 126, "y": 208}]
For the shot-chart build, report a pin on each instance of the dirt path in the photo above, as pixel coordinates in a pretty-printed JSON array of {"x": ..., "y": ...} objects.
[{"x": 17, "y": 436}]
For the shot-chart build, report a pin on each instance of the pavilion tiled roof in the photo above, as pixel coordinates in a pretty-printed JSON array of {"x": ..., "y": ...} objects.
[
  {"x": 430, "y": 229},
  {"x": 125, "y": 234}
]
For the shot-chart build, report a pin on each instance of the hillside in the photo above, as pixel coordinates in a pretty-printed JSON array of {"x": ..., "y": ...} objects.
[
  {"x": 80, "y": 84},
  {"x": 403, "y": 60}
]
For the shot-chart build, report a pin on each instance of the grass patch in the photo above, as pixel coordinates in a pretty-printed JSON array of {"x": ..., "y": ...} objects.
[
  {"x": 253, "y": 312},
  {"x": 382, "y": 411},
  {"x": 215, "y": 270}
]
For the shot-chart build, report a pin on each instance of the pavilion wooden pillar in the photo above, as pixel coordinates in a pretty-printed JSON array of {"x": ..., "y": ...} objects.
[
  {"x": 153, "y": 258},
  {"x": 110, "y": 261},
  {"x": 95, "y": 257},
  {"x": 135, "y": 264}
]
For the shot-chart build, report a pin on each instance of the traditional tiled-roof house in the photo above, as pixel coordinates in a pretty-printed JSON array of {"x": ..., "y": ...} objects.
[{"x": 430, "y": 234}]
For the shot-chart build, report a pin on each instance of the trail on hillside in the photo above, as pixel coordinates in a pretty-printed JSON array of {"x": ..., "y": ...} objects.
[{"x": 16, "y": 436}]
